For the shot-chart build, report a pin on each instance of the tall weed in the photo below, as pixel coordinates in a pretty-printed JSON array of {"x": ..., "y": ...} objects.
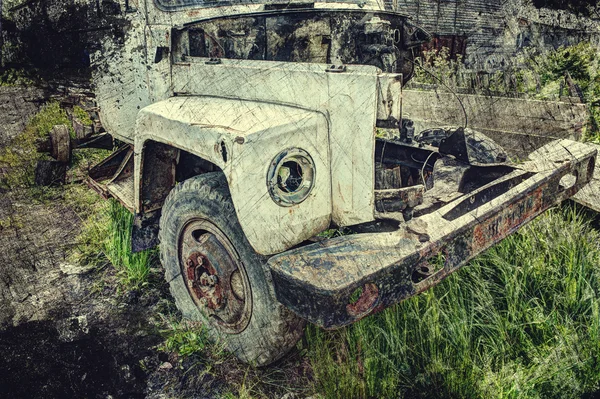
[
  {"x": 133, "y": 267},
  {"x": 106, "y": 235}
]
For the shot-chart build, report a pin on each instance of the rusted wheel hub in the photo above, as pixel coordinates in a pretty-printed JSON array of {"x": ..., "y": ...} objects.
[{"x": 214, "y": 275}]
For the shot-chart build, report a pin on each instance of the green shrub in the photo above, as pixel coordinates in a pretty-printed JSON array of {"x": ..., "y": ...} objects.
[
  {"x": 582, "y": 63},
  {"x": 534, "y": 74},
  {"x": 82, "y": 115},
  {"x": 106, "y": 235},
  {"x": 17, "y": 77},
  {"x": 435, "y": 67}
]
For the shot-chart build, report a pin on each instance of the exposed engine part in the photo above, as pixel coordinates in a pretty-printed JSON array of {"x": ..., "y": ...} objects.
[
  {"x": 407, "y": 131},
  {"x": 467, "y": 145}
]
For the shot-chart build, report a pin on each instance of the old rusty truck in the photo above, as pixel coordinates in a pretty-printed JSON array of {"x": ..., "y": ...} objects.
[{"x": 250, "y": 127}]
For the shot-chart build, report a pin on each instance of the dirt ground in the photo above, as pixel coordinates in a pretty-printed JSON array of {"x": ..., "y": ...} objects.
[
  {"x": 70, "y": 331},
  {"x": 64, "y": 331}
]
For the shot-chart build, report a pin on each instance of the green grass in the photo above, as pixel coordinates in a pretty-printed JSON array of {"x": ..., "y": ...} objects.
[
  {"x": 106, "y": 236},
  {"x": 82, "y": 115},
  {"x": 184, "y": 339},
  {"x": 19, "y": 158},
  {"x": 520, "y": 321},
  {"x": 17, "y": 77},
  {"x": 132, "y": 267}
]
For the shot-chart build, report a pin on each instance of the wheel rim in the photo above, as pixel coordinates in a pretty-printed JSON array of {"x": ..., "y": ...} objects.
[{"x": 214, "y": 276}]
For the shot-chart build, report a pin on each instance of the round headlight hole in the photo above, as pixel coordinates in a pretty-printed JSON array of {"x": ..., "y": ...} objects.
[{"x": 291, "y": 176}]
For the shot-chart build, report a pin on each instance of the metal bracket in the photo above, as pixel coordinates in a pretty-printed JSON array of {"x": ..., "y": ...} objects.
[
  {"x": 213, "y": 61},
  {"x": 336, "y": 68}
]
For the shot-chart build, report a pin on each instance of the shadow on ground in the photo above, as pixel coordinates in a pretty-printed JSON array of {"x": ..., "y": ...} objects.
[
  {"x": 41, "y": 362},
  {"x": 66, "y": 331}
]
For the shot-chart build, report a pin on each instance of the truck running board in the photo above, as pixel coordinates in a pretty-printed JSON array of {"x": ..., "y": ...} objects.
[
  {"x": 113, "y": 177},
  {"x": 339, "y": 281}
]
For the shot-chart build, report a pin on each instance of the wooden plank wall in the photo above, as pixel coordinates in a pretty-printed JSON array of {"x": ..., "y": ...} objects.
[{"x": 519, "y": 125}]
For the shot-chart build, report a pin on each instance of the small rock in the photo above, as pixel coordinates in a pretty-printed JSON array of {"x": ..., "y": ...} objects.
[
  {"x": 132, "y": 296},
  {"x": 417, "y": 226},
  {"x": 126, "y": 373},
  {"x": 72, "y": 329},
  {"x": 69, "y": 268},
  {"x": 165, "y": 366}
]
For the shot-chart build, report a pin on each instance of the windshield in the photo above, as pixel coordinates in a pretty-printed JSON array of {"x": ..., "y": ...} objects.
[{"x": 178, "y": 4}]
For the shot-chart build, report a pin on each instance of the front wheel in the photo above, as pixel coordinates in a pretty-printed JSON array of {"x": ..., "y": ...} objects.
[{"x": 216, "y": 277}]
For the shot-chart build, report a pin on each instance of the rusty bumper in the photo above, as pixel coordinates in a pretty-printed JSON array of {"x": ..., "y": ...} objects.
[{"x": 337, "y": 282}]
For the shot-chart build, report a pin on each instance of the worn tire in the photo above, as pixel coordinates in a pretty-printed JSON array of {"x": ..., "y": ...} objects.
[{"x": 272, "y": 330}]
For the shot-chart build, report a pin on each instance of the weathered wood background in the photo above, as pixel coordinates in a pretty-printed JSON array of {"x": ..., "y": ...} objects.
[{"x": 519, "y": 125}]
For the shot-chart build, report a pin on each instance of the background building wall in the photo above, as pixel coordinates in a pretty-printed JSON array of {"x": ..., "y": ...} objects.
[{"x": 489, "y": 33}]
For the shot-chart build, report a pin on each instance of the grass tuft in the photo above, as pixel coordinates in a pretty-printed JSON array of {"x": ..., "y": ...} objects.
[
  {"x": 106, "y": 235},
  {"x": 184, "y": 339},
  {"x": 18, "y": 77},
  {"x": 520, "y": 321},
  {"x": 132, "y": 267},
  {"x": 82, "y": 116}
]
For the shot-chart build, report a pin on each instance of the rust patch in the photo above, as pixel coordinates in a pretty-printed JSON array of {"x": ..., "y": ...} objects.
[
  {"x": 159, "y": 162},
  {"x": 216, "y": 281},
  {"x": 365, "y": 302},
  {"x": 510, "y": 218},
  {"x": 203, "y": 281}
]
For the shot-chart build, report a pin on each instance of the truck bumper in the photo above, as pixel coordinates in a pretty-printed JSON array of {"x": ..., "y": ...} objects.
[{"x": 336, "y": 282}]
